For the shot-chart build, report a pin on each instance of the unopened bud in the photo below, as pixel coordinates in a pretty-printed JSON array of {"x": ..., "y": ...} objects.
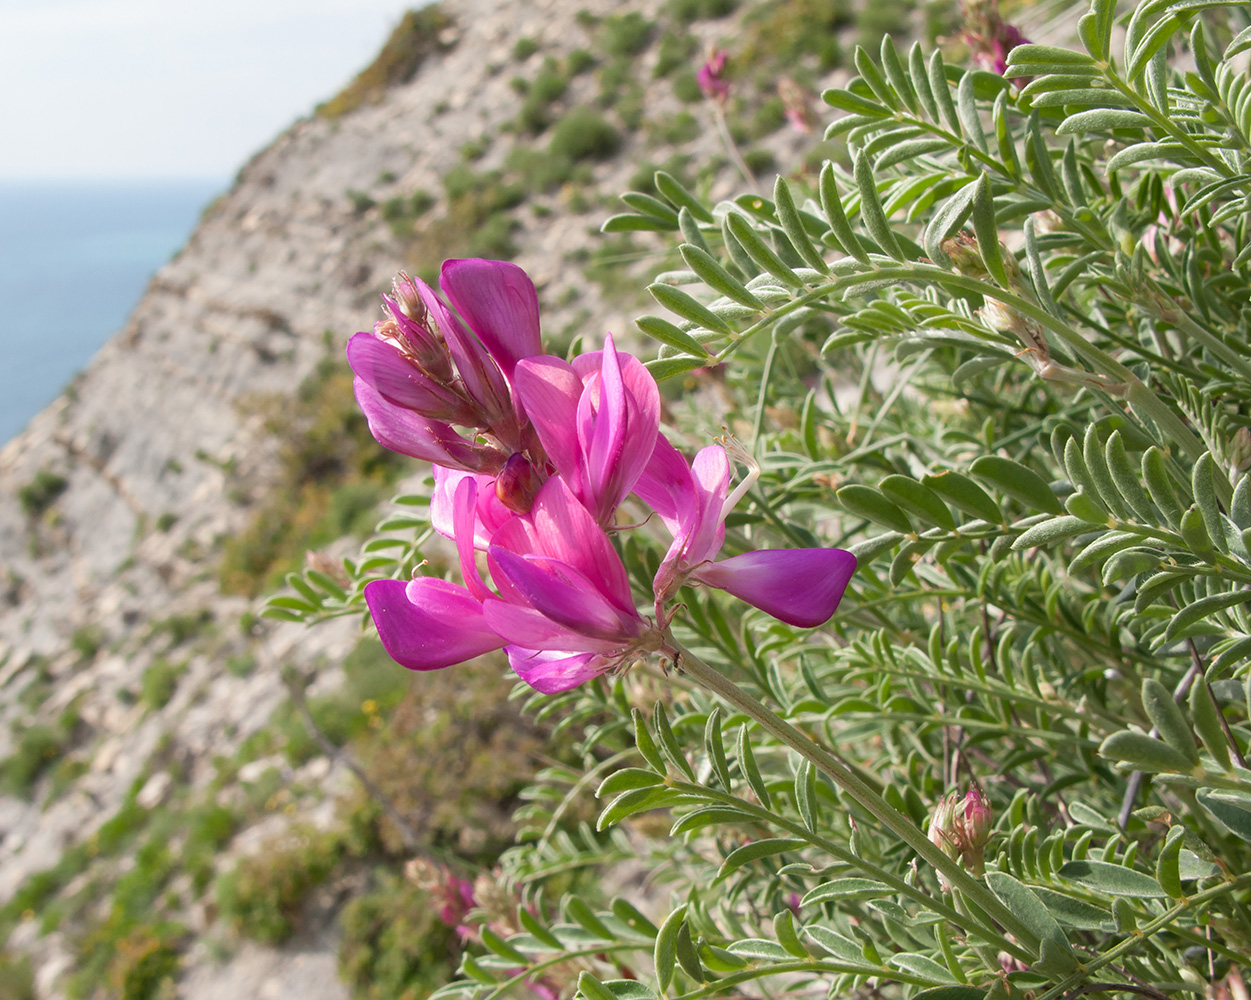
[
  {"x": 711, "y": 76},
  {"x": 1240, "y": 450},
  {"x": 517, "y": 484},
  {"x": 966, "y": 255}
]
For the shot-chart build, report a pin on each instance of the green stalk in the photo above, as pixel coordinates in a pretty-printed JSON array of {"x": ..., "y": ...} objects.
[{"x": 846, "y": 779}]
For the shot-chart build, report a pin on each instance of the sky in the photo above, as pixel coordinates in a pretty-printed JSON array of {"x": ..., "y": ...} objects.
[{"x": 111, "y": 89}]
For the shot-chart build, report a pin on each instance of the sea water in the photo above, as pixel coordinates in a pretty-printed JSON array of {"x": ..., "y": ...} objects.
[{"x": 75, "y": 256}]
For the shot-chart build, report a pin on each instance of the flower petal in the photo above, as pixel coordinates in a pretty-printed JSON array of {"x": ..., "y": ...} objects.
[
  {"x": 565, "y": 530},
  {"x": 397, "y": 380},
  {"x": 500, "y": 305},
  {"x": 801, "y": 587},
  {"x": 552, "y": 672},
  {"x": 491, "y": 514},
  {"x": 559, "y": 592},
  {"x": 464, "y": 521},
  {"x": 403, "y": 430},
  {"x": 665, "y": 485},
  {"x": 549, "y": 390},
  {"x": 445, "y": 625},
  {"x": 521, "y": 625}
]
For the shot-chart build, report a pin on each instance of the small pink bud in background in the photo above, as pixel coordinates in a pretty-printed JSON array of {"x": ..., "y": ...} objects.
[
  {"x": 960, "y": 828},
  {"x": 711, "y": 76},
  {"x": 798, "y": 104}
]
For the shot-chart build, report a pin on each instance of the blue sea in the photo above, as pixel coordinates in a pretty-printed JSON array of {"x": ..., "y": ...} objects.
[{"x": 75, "y": 256}]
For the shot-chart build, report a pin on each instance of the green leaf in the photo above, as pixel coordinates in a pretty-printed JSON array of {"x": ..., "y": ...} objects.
[
  {"x": 946, "y": 222},
  {"x": 951, "y": 993},
  {"x": 923, "y": 966},
  {"x": 1160, "y": 485},
  {"x": 966, "y": 495},
  {"x": 1112, "y": 880},
  {"x": 871, "y": 210},
  {"x": 845, "y": 100},
  {"x": 1168, "y": 719},
  {"x": 663, "y": 368},
  {"x": 647, "y": 746},
  {"x": 667, "y": 333},
  {"x": 918, "y": 500},
  {"x": 1074, "y": 912},
  {"x": 842, "y": 948},
  {"x": 581, "y": 914},
  {"x": 1203, "y": 608},
  {"x": 784, "y": 931},
  {"x": 1063, "y": 60},
  {"x": 832, "y": 205},
  {"x": 682, "y": 304},
  {"x": 1126, "y": 479},
  {"x": 1016, "y": 481},
  {"x": 760, "y": 251},
  {"x": 1144, "y": 753},
  {"x": 534, "y": 926},
  {"x": 1231, "y": 809},
  {"x": 866, "y": 502},
  {"x": 626, "y": 779},
  {"x": 1168, "y": 863},
  {"x": 630, "y": 223},
  {"x": 1207, "y": 720},
  {"x": 666, "y": 951},
  {"x": 647, "y": 205},
  {"x": 988, "y": 232},
  {"x": 1027, "y": 908},
  {"x": 756, "y": 850},
  {"x": 632, "y": 917},
  {"x": 687, "y": 956},
  {"x": 793, "y": 226},
  {"x": 711, "y": 816},
  {"x": 672, "y": 190},
  {"x": 669, "y": 745},
  {"x": 747, "y": 764},
  {"x": 1053, "y": 530},
  {"x": 501, "y": 947},
  {"x": 846, "y": 889},
  {"x": 638, "y": 800},
  {"x": 1102, "y": 120},
  {"x": 593, "y": 989},
  {"x": 761, "y": 949},
  {"x": 716, "y": 277}
]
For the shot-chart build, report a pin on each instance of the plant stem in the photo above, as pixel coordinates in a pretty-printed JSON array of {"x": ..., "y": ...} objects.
[{"x": 846, "y": 779}]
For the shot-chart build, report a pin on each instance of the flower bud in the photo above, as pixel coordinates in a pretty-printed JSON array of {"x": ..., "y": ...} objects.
[
  {"x": 974, "y": 830},
  {"x": 1240, "y": 450},
  {"x": 711, "y": 77},
  {"x": 517, "y": 484}
]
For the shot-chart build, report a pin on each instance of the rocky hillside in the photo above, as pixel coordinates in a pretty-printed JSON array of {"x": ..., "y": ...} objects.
[{"x": 169, "y": 824}]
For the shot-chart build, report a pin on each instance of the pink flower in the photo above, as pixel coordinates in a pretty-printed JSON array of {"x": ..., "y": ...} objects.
[
  {"x": 801, "y": 587},
  {"x": 710, "y": 76},
  {"x": 422, "y": 372},
  {"x": 564, "y": 612},
  {"x": 597, "y": 420}
]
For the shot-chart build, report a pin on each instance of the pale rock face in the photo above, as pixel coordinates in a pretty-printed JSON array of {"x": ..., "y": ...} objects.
[{"x": 162, "y": 422}]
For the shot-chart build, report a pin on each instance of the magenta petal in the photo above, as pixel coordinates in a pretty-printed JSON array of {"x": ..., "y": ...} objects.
[
  {"x": 549, "y": 390},
  {"x": 559, "y": 592},
  {"x": 801, "y": 587},
  {"x": 566, "y": 531},
  {"x": 665, "y": 485},
  {"x": 551, "y": 673},
  {"x": 491, "y": 514},
  {"x": 416, "y": 638},
  {"x": 500, "y": 305},
  {"x": 464, "y": 520},
  {"x": 409, "y": 433},
  {"x": 396, "y": 379},
  {"x": 521, "y": 625},
  {"x": 706, "y": 532}
]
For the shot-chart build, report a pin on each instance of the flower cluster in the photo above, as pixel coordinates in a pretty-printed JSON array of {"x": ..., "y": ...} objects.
[
  {"x": 960, "y": 828},
  {"x": 545, "y": 453}
]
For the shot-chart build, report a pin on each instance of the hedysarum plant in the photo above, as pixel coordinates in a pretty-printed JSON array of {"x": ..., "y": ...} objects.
[{"x": 1002, "y": 358}]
